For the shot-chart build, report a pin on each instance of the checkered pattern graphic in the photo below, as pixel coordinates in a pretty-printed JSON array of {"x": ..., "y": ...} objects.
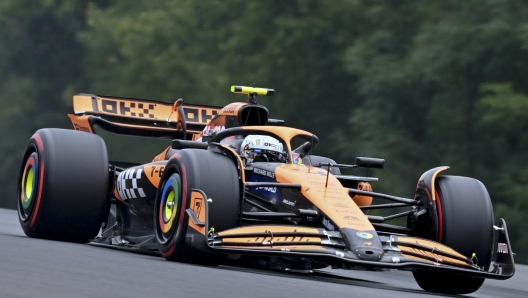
[
  {"x": 127, "y": 184},
  {"x": 142, "y": 110}
]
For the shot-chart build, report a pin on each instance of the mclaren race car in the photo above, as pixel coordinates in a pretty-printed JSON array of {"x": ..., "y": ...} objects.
[{"x": 237, "y": 184}]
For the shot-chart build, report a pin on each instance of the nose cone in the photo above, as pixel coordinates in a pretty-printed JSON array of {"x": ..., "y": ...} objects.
[
  {"x": 364, "y": 244},
  {"x": 368, "y": 253}
]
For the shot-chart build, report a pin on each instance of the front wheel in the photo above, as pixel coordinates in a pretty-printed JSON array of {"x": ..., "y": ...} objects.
[
  {"x": 214, "y": 174},
  {"x": 464, "y": 223}
]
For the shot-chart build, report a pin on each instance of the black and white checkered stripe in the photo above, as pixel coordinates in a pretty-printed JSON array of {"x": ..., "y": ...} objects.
[{"x": 127, "y": 184}]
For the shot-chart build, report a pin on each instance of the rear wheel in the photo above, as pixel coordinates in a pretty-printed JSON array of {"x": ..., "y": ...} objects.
[
  {"x": 63, "y": 185},
  {"x": 465, "y": 223},
  {"x": 214, "y": 174}
]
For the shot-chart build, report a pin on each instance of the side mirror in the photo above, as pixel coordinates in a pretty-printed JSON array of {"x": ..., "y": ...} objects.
[
  {"x": 303, "y": 149},
  {"x": 369, "y": 162}
]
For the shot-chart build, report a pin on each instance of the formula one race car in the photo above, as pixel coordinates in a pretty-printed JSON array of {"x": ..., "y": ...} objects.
[{"x": 248, "y": 188}]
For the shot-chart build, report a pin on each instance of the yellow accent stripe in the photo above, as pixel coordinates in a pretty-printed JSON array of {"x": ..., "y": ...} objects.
[
  {"x": 169, "y": 212},
  {"x": 432, "y": 244},
  {"x": 263, "y": 229},
  {"x": 251, "y": 90},
  {"x": 438, "y": 258},
  {"x": 29, "y": 183}
]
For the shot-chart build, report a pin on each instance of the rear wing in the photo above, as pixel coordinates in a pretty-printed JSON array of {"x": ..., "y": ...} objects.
[{"x": 140, "y": 117}]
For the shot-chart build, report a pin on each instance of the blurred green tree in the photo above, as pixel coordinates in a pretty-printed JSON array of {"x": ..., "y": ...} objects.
[
  {"x": 40, "y": 69},
  {"x": 443, "y": 83},
  {"x": 195, "y": 50}
]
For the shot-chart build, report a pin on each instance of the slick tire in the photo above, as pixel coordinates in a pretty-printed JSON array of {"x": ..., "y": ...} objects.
[
  {"x": 63, "y": 185},
  {"x": 465, "y": 223},
  {"x": 214, "y": 174},
  {"x": 315, "y": 160}
]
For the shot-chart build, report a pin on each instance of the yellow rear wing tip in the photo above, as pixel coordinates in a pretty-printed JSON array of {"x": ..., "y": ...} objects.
[{"x": 252, "y": 90}]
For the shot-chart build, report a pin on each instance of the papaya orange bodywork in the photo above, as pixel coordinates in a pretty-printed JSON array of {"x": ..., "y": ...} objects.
[
  {"x": 232, "y": 108},
  {"x": 197, "y": 205},
  {"x": 154, "y": 172},
  {"x": 80, "y": 123},
  {"x": 363, "y": 200},
  {"x": 333, "y": 200}
]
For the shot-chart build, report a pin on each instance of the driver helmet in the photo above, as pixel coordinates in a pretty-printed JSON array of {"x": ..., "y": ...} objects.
[{"x": 259, "y": 148}]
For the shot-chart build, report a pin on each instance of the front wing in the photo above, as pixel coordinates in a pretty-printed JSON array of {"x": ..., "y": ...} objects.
[{"x": 400, "y": 252}]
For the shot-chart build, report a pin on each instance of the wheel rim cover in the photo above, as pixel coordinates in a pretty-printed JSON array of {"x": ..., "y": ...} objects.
[
  {"x": 28, "y": 184},
  {"x": 169, "y": 205}
]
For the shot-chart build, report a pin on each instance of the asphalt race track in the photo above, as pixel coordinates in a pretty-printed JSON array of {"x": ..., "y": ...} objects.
[{"x": 41, "y": 268}]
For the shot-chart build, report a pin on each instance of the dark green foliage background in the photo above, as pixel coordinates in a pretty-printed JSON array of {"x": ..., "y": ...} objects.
[{"x": 419, "y": 83}]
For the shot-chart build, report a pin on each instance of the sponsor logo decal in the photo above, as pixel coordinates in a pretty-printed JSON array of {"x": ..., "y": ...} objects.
[
  {"x": 322, "y": 182},
  {"x": 212, "y": 128},
  {"x": 328, "y": 225},
  {"x": 264, "y": 173},
  {"x": 156, "y": 171},
  {"x": 228, "y": 140},
  {"x": 364, "y": 235},
  {"x": 350, "y": 217},
  {"x": 364, "y": 186},
  {"x": 290, "y": 203},
  {"x": 230, "y": 108},
  {"x": 197, "y": 206},
  {"x": 341, "y": 205},
  {"x": 128, "y": 108},
  {"x": 340, "y": 254},
  {"x": 297, "y": 160},
  {"x": 199, "y": 115},
  {"x": 502, "y": 248},
  {"x": 80, "y": 128},
  {"x": 270, "y": 189},
  {"x": 345, "y": 211},
  {"x": 274, "y": 240}
]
